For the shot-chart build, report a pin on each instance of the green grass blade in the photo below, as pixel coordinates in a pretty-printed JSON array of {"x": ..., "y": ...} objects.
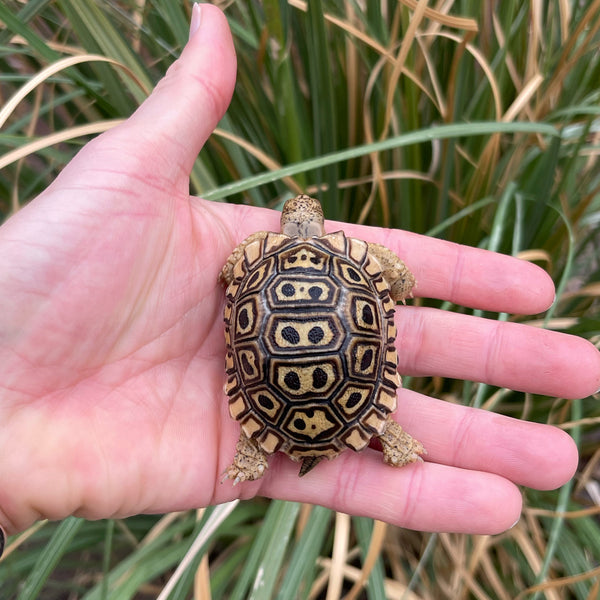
[
  {"x": 17, "y": 26},
  {"x": 49, "y": 558},
  {"x": 300, "y": 574},
  {"x": 145, "y": 563},
  {"x": 275, "y": 551},
  {"x": 558, "y": 523},
  {"x": 323, "y": 105},
  {"x": 99, "y": 35},
  {"x": 29, "y": 10},
  {"x": 279, "y": 515},
  {"x": 461, "y": 214},
  {"x": 289, "y": 102},
  {"x": 414, "y": 137},
  {"x": 176, "y": 18},
  {"x": 108, "y": 549}
]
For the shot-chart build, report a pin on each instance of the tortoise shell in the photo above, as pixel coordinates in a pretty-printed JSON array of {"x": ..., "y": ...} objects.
[{"x": 311, "y": 363}]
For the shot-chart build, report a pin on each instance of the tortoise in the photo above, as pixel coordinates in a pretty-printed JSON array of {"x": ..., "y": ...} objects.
[{"x": 309, "y": 328}]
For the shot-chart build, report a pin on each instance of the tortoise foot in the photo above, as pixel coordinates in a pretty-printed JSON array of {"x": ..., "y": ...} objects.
[
  {"x": 399, "y": 448},
  {"x": 395, "y": 272},
  {"x": 249, "y": 462}
]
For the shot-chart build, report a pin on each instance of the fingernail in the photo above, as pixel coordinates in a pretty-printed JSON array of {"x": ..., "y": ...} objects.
[
  {"x": 195, "y": 22},
  {"x": 2, "y": 540}
]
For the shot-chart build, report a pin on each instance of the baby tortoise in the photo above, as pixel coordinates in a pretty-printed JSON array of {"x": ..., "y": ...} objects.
[{"x": 309, "y": 327}]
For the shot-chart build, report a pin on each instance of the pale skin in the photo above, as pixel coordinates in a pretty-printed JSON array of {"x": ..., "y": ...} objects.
[{"x": 112, "y": 349}]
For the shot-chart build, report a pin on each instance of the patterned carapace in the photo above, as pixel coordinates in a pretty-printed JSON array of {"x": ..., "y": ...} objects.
[{"x": 311, "y": 344}]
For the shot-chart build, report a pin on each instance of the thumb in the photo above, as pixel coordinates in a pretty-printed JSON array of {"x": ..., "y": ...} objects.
[{"x": 186, "y": 105}]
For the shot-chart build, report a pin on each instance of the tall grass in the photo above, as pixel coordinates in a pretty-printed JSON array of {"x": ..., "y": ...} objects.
[{"x": 478, "y": 122}]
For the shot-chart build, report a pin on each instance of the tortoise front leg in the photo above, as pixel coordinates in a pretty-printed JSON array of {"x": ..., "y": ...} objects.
[
  {"x": 395, "y": 272},
  {"x": 226, "y": 274},
  {"x": 399, "y": 448},
  {"x": 249, "y": 462}
]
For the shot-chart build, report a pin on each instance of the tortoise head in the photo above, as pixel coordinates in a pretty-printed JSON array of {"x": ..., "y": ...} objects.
[{"x": 302, "y": 217}]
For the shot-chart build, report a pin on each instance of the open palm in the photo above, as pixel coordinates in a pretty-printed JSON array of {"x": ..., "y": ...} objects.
[{"x": 112, "y": 350}]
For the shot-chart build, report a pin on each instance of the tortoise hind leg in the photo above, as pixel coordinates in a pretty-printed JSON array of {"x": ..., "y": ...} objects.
[
  {"x": 395, "y": 272},
  {"x": 249, "y": 462},
  {"x": 399, "y": 448}
]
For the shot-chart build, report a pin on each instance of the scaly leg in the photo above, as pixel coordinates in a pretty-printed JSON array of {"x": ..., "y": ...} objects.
[
  {"x": 399, "y": 448},
  {"x": 249, "y": 462},
  {"x": 395, "y": 272}
]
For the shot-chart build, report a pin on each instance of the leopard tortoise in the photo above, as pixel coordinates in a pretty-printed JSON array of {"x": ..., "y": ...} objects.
[{"x": 309, "y": 328}]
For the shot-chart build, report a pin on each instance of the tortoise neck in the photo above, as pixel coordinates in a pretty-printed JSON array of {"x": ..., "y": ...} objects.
[{"x": 304, "y": 230}]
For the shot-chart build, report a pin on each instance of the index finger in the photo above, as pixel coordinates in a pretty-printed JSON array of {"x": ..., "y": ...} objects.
[{"x": 464, "y": 275}]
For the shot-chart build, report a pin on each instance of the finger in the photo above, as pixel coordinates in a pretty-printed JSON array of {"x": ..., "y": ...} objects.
[
  {"x": 172, "y": 124},
  {"x": 460, "y": 274},
  {"x": 422, "y": 496},
  {"x": 521, "y": 357},
  {"x": 189, "y": 101},
  {"x": 532, "y": 454},
  {"x": 468, "y": 276}
]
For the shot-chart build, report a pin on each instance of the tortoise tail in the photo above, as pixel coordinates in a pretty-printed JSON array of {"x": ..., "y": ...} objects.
[{"x": 309, "y": 463}]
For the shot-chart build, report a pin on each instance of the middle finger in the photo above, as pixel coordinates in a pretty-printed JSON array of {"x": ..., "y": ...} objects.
[{"x": 513, "y": 355}]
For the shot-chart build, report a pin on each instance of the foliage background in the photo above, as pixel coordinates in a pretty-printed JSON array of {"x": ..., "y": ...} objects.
[{"x": 476, "y": 122}]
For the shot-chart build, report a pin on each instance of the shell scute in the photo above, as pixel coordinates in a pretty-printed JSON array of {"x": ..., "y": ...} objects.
[
  {"x": 273, "y": 242},
  {"x": 335, "y": 242},
  {"x": 252, "y": 425},
  {"x": 300, "y": 334},
  {"x": 357, "y": 250},
  {"x": 250, "y": 364},
  {"x": 351, "y": 276},
  {"x": 365, "y": 314},
  {"x": 312, "y": 424},
  {"x": 355, "y": 438},
  {"x": 300, "y": 379},
  {"x": 246, "y": 318},
  {"x": 267, "y": 404},
  {"x": 363, "y": 359},
  {"x": 254, "y": 279},
  {"x": 238, "y": 406},
  {"x": 271, "y": 441},
  {"x": 352, "y": 399},
  {"x": 305, "y": 257},
  {"x": 253, "y": 252},
  {"x": 372, "y": 267},
  {"x": 292, "y": 292}
]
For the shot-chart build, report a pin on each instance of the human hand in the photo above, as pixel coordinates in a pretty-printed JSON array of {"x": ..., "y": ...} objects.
[{"x": 112, "y": 349}]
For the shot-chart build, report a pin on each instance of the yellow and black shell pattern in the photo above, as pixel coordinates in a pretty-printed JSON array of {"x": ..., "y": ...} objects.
[{"x": 309, "y": 327}]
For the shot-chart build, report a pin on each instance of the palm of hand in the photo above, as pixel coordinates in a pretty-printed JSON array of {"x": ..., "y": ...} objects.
[
  {"x": 116, "y": 305},
  {"x": 111, "y": 347}
]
